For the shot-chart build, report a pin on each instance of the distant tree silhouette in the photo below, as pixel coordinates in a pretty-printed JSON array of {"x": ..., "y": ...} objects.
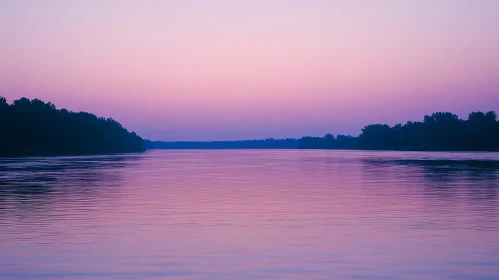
[
  {"x": 346, "y": 142},
  {"x": 270, "y": 143},
  {"x": 375, "y": 135},
  {"x": 328, "y": 142},
  {"x": 33, "y": 127},
  {"x": 483, "y": 130},
  {"x": 439, "y": 131}
]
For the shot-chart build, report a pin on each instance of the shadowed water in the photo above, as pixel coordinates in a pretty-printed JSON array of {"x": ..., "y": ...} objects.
[{"x": 237, "y": 214}]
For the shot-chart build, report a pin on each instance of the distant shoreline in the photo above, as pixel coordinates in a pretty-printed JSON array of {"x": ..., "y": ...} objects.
[
  {"x": 31, "y": 128},
  {"x": 271, "y": 145},
  {"x": 439, "y": 132}
]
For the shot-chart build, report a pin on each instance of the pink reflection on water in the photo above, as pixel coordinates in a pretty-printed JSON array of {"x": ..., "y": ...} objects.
[{"x": 256, "y": 214}]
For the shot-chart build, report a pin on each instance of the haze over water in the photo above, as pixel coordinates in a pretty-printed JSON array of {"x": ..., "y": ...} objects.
[{"x": 251, "y": 215}]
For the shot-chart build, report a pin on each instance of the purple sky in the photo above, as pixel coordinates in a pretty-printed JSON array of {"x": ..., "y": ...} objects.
[{"x": 228, "y": 69}]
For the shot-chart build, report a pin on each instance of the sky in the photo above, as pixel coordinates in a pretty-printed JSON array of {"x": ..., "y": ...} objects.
[{"x": 229, "y": 69}]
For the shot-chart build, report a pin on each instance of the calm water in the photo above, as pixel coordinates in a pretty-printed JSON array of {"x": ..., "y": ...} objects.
[{"x": 251, "y": 215}]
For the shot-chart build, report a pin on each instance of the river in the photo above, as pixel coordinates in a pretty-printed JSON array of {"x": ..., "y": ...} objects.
[{"x": 251, "y": 214}]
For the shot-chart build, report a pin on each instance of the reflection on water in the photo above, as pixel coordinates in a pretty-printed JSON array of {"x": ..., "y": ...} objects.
[{"x": 251, "y": 215}]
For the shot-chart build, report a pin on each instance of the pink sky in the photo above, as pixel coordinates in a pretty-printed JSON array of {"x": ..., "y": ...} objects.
[{"x": 216, "y": 70}]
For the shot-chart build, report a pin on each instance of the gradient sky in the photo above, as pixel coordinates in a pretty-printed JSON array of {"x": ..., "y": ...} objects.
[{"x": 222, "y": 69}]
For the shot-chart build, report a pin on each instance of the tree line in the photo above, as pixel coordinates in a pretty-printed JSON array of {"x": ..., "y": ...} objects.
[
  {"x": 442, "y": 131},
  {"x": 269, "y": 143},
  {"x": 37, "y": 128}
]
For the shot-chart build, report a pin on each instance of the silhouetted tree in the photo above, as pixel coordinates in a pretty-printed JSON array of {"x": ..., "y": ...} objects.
[
  {"x": 440, "y": 131},
  {"x": 346, "y": 142},
  {"x": 375, "y": 136},
  {"x": 482, "y": 130},
  {"x": 328, "y": 142},
  {"x": 33, "y": 127}
]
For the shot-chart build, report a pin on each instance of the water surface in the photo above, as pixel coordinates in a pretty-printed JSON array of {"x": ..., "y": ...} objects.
[{"x": 255, "y": 214}]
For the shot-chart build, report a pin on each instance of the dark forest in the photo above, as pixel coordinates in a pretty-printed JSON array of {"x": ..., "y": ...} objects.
[
  {"x": 36, "y": 128},
  {"x": 441, "y": 131}
]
